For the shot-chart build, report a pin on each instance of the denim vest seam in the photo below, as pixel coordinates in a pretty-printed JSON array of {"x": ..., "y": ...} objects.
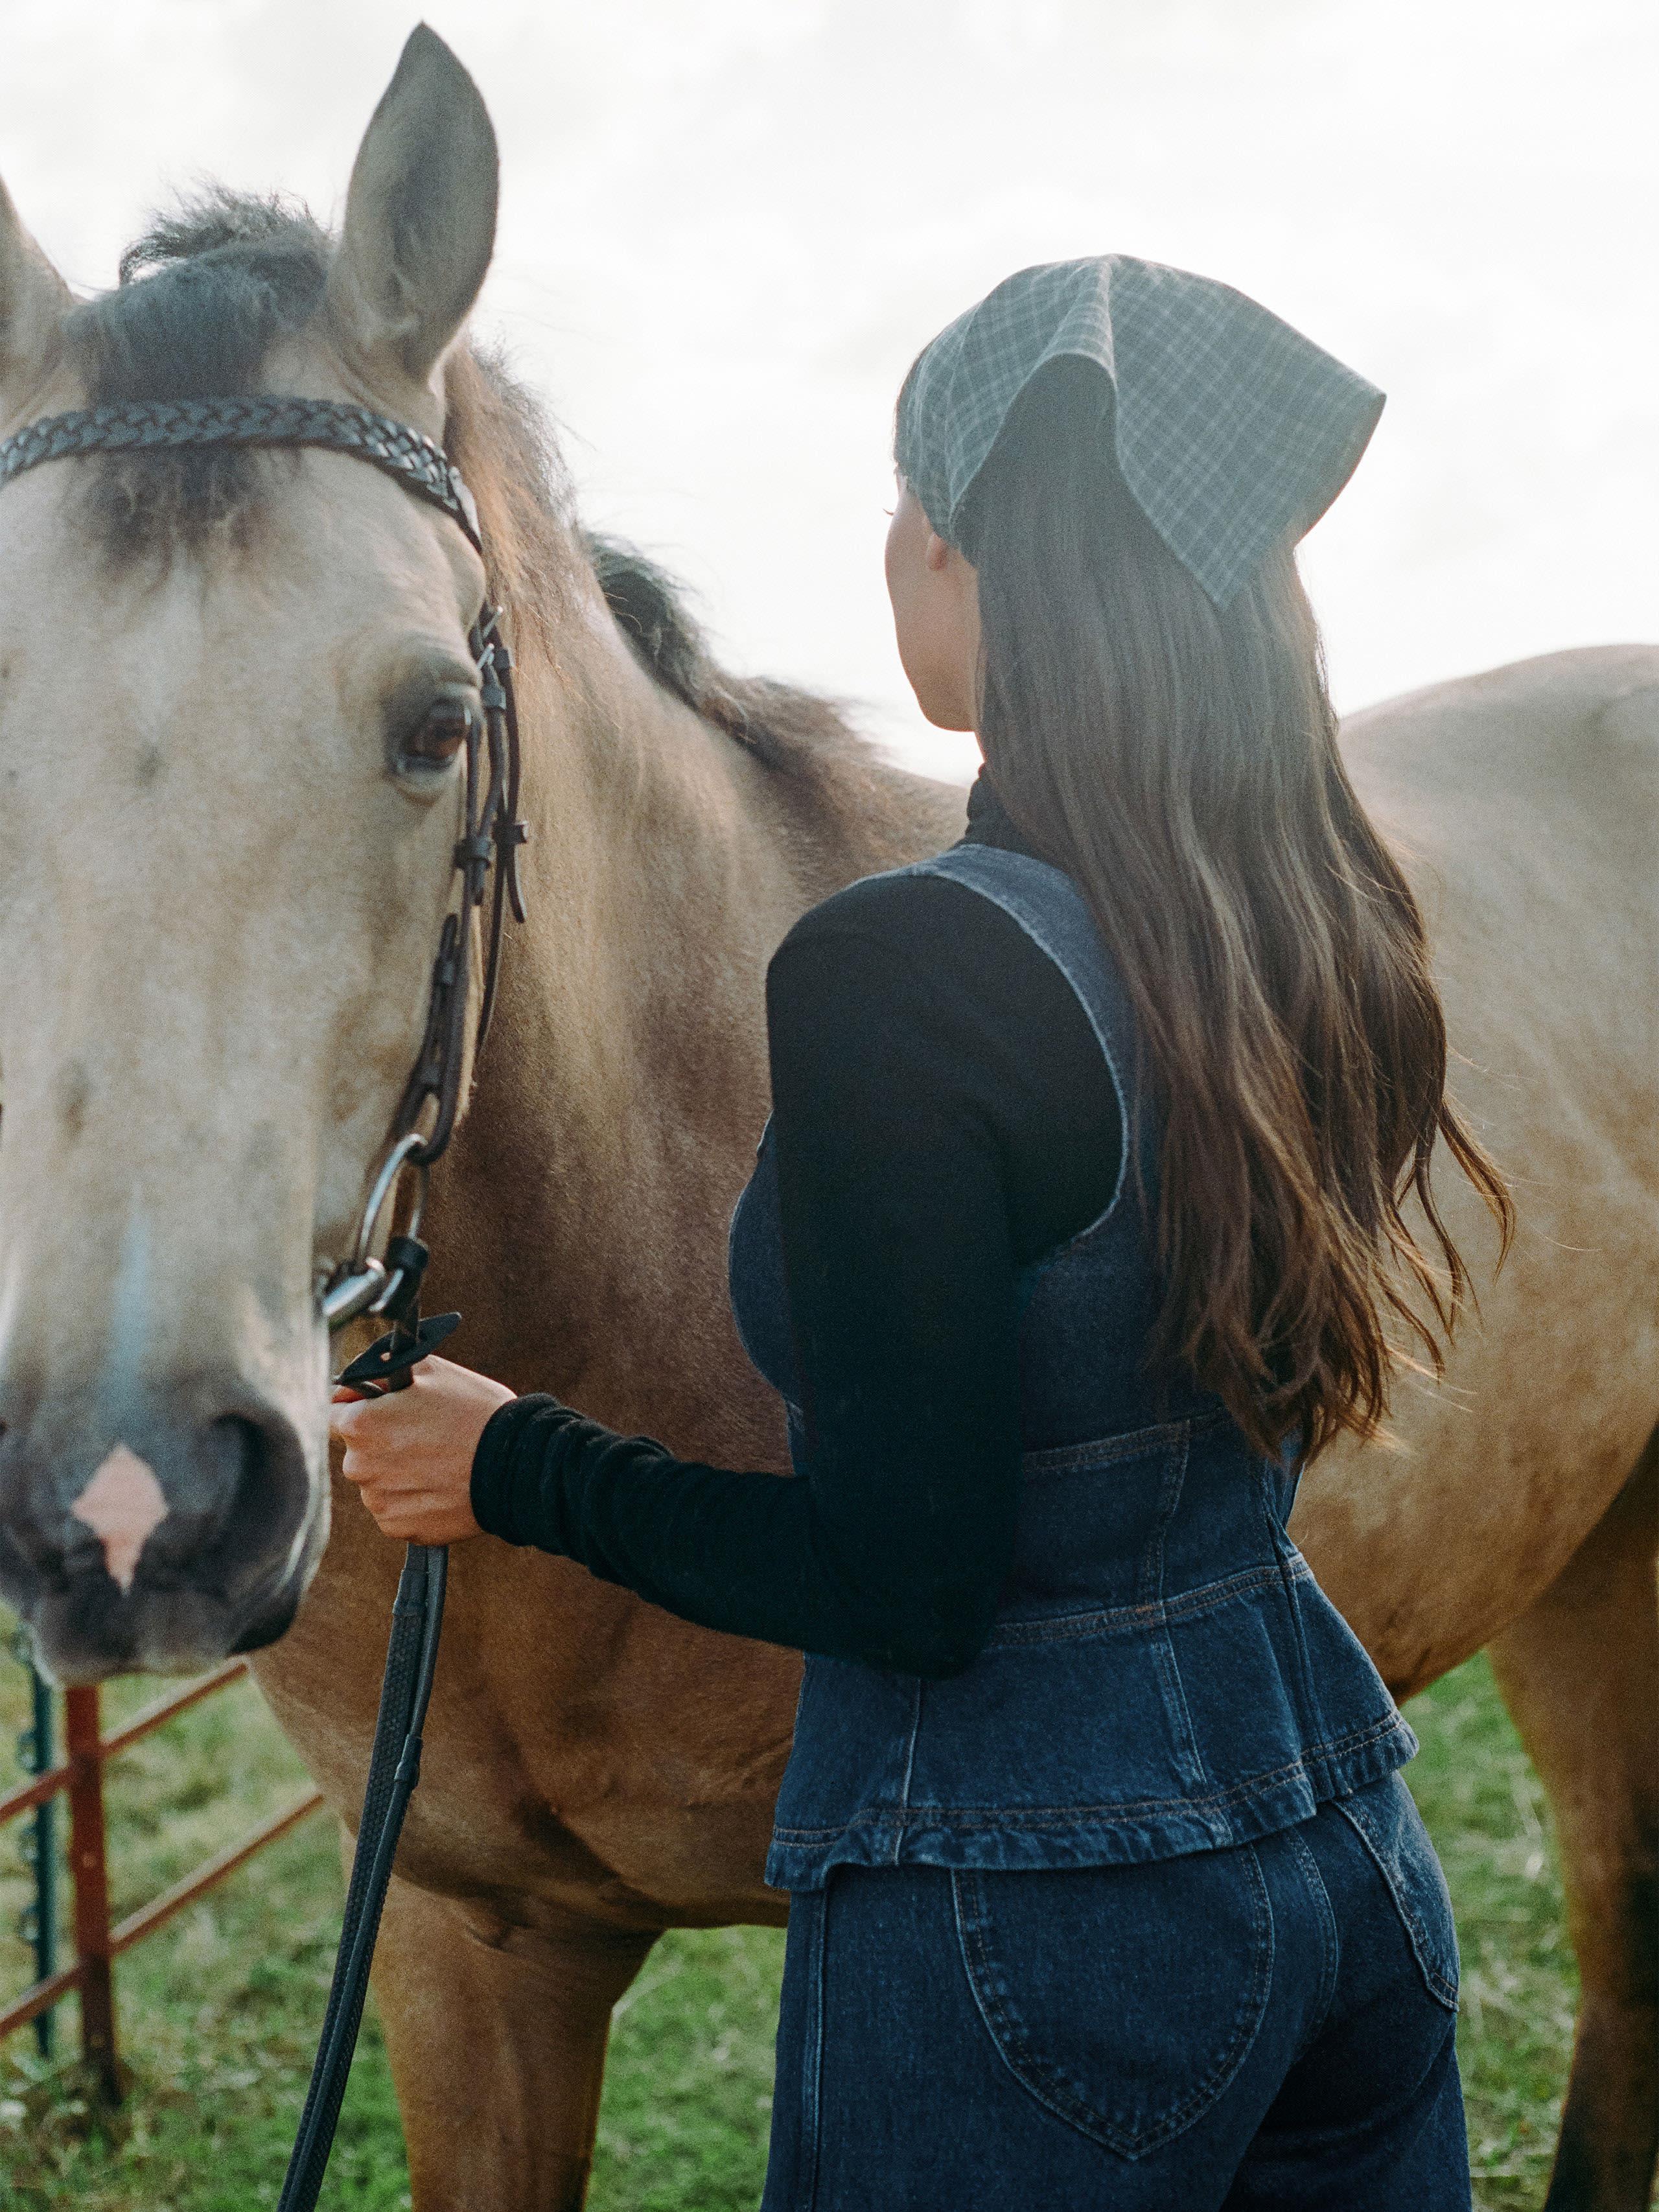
[
  {"x": 959, "y": 866},
  {"x": 1116, "y": 1812},
  {"x": 1356, "y": 1739},
  {"x": 909, "y": 1767},
  {"x": 1149, "y": 1568},
  {"x": 1111, "y": 1620},
  {"x": 1189, "y": 1762},
  {"x": 1129, "y": 1444},
  {"x": 1313, "y": 1716}
]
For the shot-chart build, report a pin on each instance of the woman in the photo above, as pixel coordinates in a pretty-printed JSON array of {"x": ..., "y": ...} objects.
[{"x": 1074, "y": 1238}]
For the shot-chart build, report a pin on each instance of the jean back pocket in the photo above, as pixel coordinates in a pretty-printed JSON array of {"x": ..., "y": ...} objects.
[
  {"x": 1124, "y": 1998},
  {"x": 1386, "y": 1819}
]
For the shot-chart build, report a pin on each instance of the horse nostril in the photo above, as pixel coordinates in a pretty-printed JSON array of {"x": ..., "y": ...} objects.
[
  {"x": 239, "y": 1445},
  {"x": 255, "y": 1460}
]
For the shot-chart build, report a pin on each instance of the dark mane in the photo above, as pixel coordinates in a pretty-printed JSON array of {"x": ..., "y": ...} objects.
[
  {"x": 774, "y": 722},
  {"x": 204, "y": 296}
]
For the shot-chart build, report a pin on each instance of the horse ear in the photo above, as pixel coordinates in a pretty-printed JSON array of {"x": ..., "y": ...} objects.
[
  {"x": 420, "y": 219},
  {"x": 34, "y": 302}
]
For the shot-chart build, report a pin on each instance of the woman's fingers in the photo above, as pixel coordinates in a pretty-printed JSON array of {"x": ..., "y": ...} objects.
[
  {"x": 418, "y": 1517},
  {"x": 409, "y": 1452}
]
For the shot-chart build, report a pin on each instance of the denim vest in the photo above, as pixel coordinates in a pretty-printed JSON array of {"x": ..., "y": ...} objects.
[{"x": 1164, "y": 1674}]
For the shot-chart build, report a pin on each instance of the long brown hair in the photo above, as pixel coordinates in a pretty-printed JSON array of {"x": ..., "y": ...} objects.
[{"x": 1180, "y": 762}]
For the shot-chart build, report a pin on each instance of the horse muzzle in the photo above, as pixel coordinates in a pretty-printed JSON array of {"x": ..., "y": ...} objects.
[{"x": 163, "y": 1536}]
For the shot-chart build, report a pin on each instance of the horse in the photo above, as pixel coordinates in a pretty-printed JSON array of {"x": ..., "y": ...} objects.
[{"x": 225, "y": 856}]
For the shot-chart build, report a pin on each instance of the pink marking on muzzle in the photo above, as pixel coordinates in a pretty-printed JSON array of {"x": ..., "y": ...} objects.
[{"x": 123, "y": 1506}]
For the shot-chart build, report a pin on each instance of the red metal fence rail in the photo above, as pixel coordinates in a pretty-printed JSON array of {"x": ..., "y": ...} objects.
[{"x": 98, "y": 1943}]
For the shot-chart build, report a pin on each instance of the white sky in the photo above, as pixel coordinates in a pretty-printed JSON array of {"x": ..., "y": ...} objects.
[{"x": 727, "y": 225}]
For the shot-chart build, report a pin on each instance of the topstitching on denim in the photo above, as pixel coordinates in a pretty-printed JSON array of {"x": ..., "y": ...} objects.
[{"x": 1018, "y": 2039}]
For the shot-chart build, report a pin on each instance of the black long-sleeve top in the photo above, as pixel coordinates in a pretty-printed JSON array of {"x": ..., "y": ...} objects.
[{"x": 943, "y": 1115}]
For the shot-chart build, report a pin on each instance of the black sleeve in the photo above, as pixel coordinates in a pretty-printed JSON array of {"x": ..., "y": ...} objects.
[{"x": 942, "y": 1113}]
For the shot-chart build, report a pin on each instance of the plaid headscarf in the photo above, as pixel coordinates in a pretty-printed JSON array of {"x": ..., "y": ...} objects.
[{"x": 1230, "y": 428}]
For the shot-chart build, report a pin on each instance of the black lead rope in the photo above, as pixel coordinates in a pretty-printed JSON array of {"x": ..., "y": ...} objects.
[
  {"x": 394, "y": 1769},
  {"x": 394, "y": 1764}
]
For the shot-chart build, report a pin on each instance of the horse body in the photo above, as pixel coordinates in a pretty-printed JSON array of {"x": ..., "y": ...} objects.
[
  {"x": 1521, "y": 1510},
  {"x": 228, "y": 946},
  {"x": 1524, "y": 804}
]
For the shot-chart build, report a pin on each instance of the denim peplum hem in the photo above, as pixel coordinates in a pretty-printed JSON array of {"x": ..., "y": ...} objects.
[
  {"x": 1045, "y": 1837},
  {"x": 1130, "y": 1703}
]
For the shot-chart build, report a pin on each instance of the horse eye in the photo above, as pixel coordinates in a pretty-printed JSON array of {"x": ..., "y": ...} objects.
[{"x": 440, "y": 735}]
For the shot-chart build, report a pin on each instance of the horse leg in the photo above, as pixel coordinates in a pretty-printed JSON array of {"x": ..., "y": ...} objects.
[
  {"x": 497, "y": 2040},
  {"x": 1580, "y": 1673}
]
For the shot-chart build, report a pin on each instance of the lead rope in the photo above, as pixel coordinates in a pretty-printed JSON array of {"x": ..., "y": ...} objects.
[
  {"x": 394, "y": 1761},
  {"x": 394, "y": 1764}
]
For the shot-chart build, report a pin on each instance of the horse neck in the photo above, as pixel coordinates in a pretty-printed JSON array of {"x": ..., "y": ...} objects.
[{"x": 578, "y": 1218}]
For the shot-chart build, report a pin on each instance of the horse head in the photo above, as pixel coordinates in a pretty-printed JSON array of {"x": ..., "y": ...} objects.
[{"x": 234, "y": 688}]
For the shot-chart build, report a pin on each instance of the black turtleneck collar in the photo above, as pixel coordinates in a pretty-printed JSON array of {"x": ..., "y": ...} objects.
[{"x": 990, "y": 822}]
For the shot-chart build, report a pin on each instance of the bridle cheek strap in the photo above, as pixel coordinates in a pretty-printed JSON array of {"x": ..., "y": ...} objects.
[{"x": 486, "y": 854}]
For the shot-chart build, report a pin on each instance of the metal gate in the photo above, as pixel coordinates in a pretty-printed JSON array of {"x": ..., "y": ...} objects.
[{"x": 96, "y": 1942}]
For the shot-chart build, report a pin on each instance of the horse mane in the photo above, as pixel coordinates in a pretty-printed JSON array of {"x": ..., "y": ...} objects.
[
  {"x": 775, "y": 722},
  {"x": 205, "y": 294}
]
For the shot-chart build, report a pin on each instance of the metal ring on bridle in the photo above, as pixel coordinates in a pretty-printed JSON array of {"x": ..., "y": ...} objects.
[
  {"x": 396, "y": 1157},
  {"x": 362, "y": 1284}
]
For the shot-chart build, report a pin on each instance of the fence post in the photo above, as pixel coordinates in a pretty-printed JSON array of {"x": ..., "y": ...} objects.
[
  {"x": 87, "y": 1862},
  {"x": 40, "y": 1919}
]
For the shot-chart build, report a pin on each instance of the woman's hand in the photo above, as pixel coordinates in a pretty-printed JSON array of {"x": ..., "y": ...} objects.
[{"x": 410, "y": 1452}]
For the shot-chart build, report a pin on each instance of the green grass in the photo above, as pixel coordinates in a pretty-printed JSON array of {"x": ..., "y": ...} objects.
[
  {"x": 1486, "y": 1809},
  {"x": 219, "y": 2013}
]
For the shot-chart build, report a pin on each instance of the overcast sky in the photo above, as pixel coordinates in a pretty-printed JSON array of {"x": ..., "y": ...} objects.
[{"x": 727, "y": 225}]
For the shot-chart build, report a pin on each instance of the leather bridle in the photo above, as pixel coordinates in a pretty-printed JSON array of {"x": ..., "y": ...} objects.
[{"x": 485, "y": 854}]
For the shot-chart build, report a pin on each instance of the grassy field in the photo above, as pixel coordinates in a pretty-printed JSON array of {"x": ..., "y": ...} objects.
[{"x": 219, "y": 2013}]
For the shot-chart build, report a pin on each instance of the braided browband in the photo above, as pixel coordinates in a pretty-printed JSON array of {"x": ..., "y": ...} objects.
[{"x": 154, "y": 425}]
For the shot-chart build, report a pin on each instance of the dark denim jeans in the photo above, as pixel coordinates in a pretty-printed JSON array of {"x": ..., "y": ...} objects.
[{"x": 1268, "y": 2025}]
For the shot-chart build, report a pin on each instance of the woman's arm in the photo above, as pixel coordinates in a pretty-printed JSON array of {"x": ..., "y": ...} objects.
[{"x": 941, "y": 1112}]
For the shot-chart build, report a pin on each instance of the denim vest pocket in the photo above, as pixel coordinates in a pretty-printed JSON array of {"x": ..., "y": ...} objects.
[
  {"x": 1124, "y": 1999},
  {"x": 1386, "y": 1819}
]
